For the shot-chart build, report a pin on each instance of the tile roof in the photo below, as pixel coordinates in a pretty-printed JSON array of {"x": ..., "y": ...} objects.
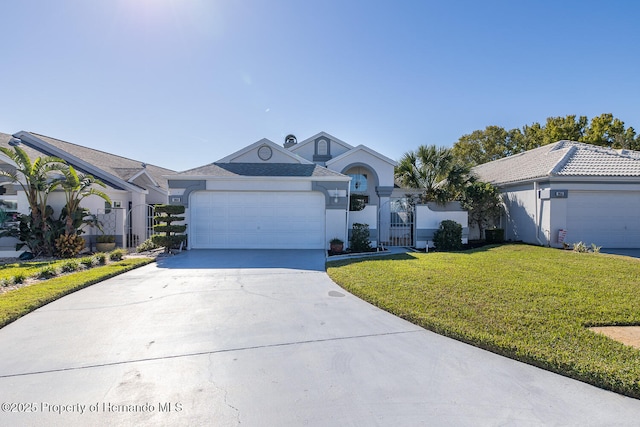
[
  {"x": 562, "y": 158},
  {"x": 261, "y": 169},
  {"x": 122, "y": 167}
]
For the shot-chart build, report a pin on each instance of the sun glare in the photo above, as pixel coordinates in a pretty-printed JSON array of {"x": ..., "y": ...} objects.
[{"x": 201, "y": 16}]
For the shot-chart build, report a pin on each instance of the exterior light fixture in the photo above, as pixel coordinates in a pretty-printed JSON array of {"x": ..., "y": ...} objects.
[{"x": 335, "y": 196}]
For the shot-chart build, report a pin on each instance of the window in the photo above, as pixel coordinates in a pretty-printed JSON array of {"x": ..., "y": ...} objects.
[
  {"x": 357, "y": 202},
  {"x": 9, "y": 216},
  {"x": 358, "y": 183},
  {"x": 322, "y": 148},
  {"x": 115, "y": 204}
]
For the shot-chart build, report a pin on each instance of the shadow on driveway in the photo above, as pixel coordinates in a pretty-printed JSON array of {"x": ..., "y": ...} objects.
[
  {"x": 309, "y": 259},
  {"x": 634, "y": 253}
]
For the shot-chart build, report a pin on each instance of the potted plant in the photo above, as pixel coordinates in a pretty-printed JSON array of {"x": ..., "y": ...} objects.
[
  {"x": 336, "y": 245},
  {"x": 105, "y": 242}
]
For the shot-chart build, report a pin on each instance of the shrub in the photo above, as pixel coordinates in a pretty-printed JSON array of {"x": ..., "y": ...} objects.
[
  {"x": 70, "y": 265},
  {"x": 106, "y": 238},
  {"x": 88, "y": 261},
  {"x": 47, "y": 272},
  {"x": 69, "y": 245},
  {"x": 494, "y": 235},
  {"x": 117, "y": 255},
  {"x": 449, "y": 236},
  {"x": 19, "y": 278},
  {"x": 147, "y": 245},
  {"x": 101, "y": 258},
  {"x": 580, "y": 247},
  {"x": 171, "y": 236},
  {"x": 359, "y": 241}
]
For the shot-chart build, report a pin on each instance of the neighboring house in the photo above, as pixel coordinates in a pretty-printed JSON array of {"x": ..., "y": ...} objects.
[
  {"x": 132, "y": 185},
  {"x": 294, "y": 196},
  {"x": 569, "y": 191}
]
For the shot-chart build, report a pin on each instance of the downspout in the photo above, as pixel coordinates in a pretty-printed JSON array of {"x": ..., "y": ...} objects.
[
  {"x": 537, "y": 218},
  {"x": 346, "y": 225}
]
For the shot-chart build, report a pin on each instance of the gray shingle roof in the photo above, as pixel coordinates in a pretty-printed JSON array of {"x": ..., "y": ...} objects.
[
  {"x": 262, "y": 169},
  {"x": 563, "y": 158},
  {"x": 119, "y": 166},
  {"x": 4, "y": 142}
]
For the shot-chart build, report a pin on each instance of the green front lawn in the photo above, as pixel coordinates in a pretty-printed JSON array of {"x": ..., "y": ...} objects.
[
  {"x": 529, "y": 303},
  {"x": 16, "y": 303}
]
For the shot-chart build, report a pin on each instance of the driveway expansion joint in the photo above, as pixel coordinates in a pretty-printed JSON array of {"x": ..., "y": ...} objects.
[{"x": 204, "y": 353}]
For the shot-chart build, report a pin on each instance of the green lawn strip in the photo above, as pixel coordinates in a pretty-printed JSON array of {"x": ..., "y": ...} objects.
[
  {"x": 30, "y": 268},
  {"x": 15, "y": 304},
  {"x": 529, "y": 303}
]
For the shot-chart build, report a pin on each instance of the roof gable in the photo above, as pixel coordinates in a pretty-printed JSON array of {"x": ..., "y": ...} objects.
[
  {"x": 312, "y": 139},
  {"x": 263, "y": 151},
  {"x": 561, "y": 159},
  {"x": 359, "y": 151}
]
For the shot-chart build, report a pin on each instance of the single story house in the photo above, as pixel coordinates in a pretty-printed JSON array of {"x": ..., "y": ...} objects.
[
  {"x": 569, "y": 192},
  {"x": 291, "y": 196},
  {"x": 132, "y": 185},
  {"x": 297, "y": 195}
]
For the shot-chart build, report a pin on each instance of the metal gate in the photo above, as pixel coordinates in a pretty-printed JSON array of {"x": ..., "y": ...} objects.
[
  {"x": 401, "y": 223},
  {"x": 136, "y": 238}
]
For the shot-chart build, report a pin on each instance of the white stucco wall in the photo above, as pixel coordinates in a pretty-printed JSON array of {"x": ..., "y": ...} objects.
[
  {"x": 252, "y": 157},
  {"x": 383, "y": 169},
  {"x": 428, "y": 219},
  {"x": 336, "y": 226},
  {"x": 520, "y": 204},
  {"x": 307, "y": 149},
  {"x": 369, "y": 216}
]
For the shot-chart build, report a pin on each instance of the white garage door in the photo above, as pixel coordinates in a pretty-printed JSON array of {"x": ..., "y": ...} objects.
[
  {"x": 257, "y": 220},
  {"x": 610, "y": 220}
]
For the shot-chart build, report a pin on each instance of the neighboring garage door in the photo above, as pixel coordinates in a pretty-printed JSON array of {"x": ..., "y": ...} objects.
[
  {"x": 257, "y": 220},
  {"x": 610, "y": 220}
]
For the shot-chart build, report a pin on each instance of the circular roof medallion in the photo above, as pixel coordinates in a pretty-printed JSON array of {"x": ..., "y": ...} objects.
[{"x": 265, "y": 152}]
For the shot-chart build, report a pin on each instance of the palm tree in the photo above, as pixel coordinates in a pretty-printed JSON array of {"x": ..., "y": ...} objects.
[
  {"x": 435, "y": 170},
  {"x": 36, "y": 181},
  {"x": 76, "y": 187}
]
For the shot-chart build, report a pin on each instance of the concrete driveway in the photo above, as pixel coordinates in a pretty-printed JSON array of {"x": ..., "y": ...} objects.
[{"x": 264, "y": 338}]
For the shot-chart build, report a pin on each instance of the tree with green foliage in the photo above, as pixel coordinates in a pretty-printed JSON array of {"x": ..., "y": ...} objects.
[
  {"x": 495, "y": 142},
  {"x": 76, "y": 187},
  {"x": 482, "y": 146},
  {"x": 559, "y": 128},
  {"x": 170, "y": 237},
  {"x": 610, "y": 132},
  {"x": 36, "y": 179},
  {"x": 482, "y": 202},
  {"x": 435, "y": 170}
]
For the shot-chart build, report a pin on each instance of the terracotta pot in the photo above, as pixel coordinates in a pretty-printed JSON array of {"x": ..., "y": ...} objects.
[{"x": 337, "y": 247}]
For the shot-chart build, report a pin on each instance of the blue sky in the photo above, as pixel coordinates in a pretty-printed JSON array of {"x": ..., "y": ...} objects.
[{"x": 182, "y": 83}]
